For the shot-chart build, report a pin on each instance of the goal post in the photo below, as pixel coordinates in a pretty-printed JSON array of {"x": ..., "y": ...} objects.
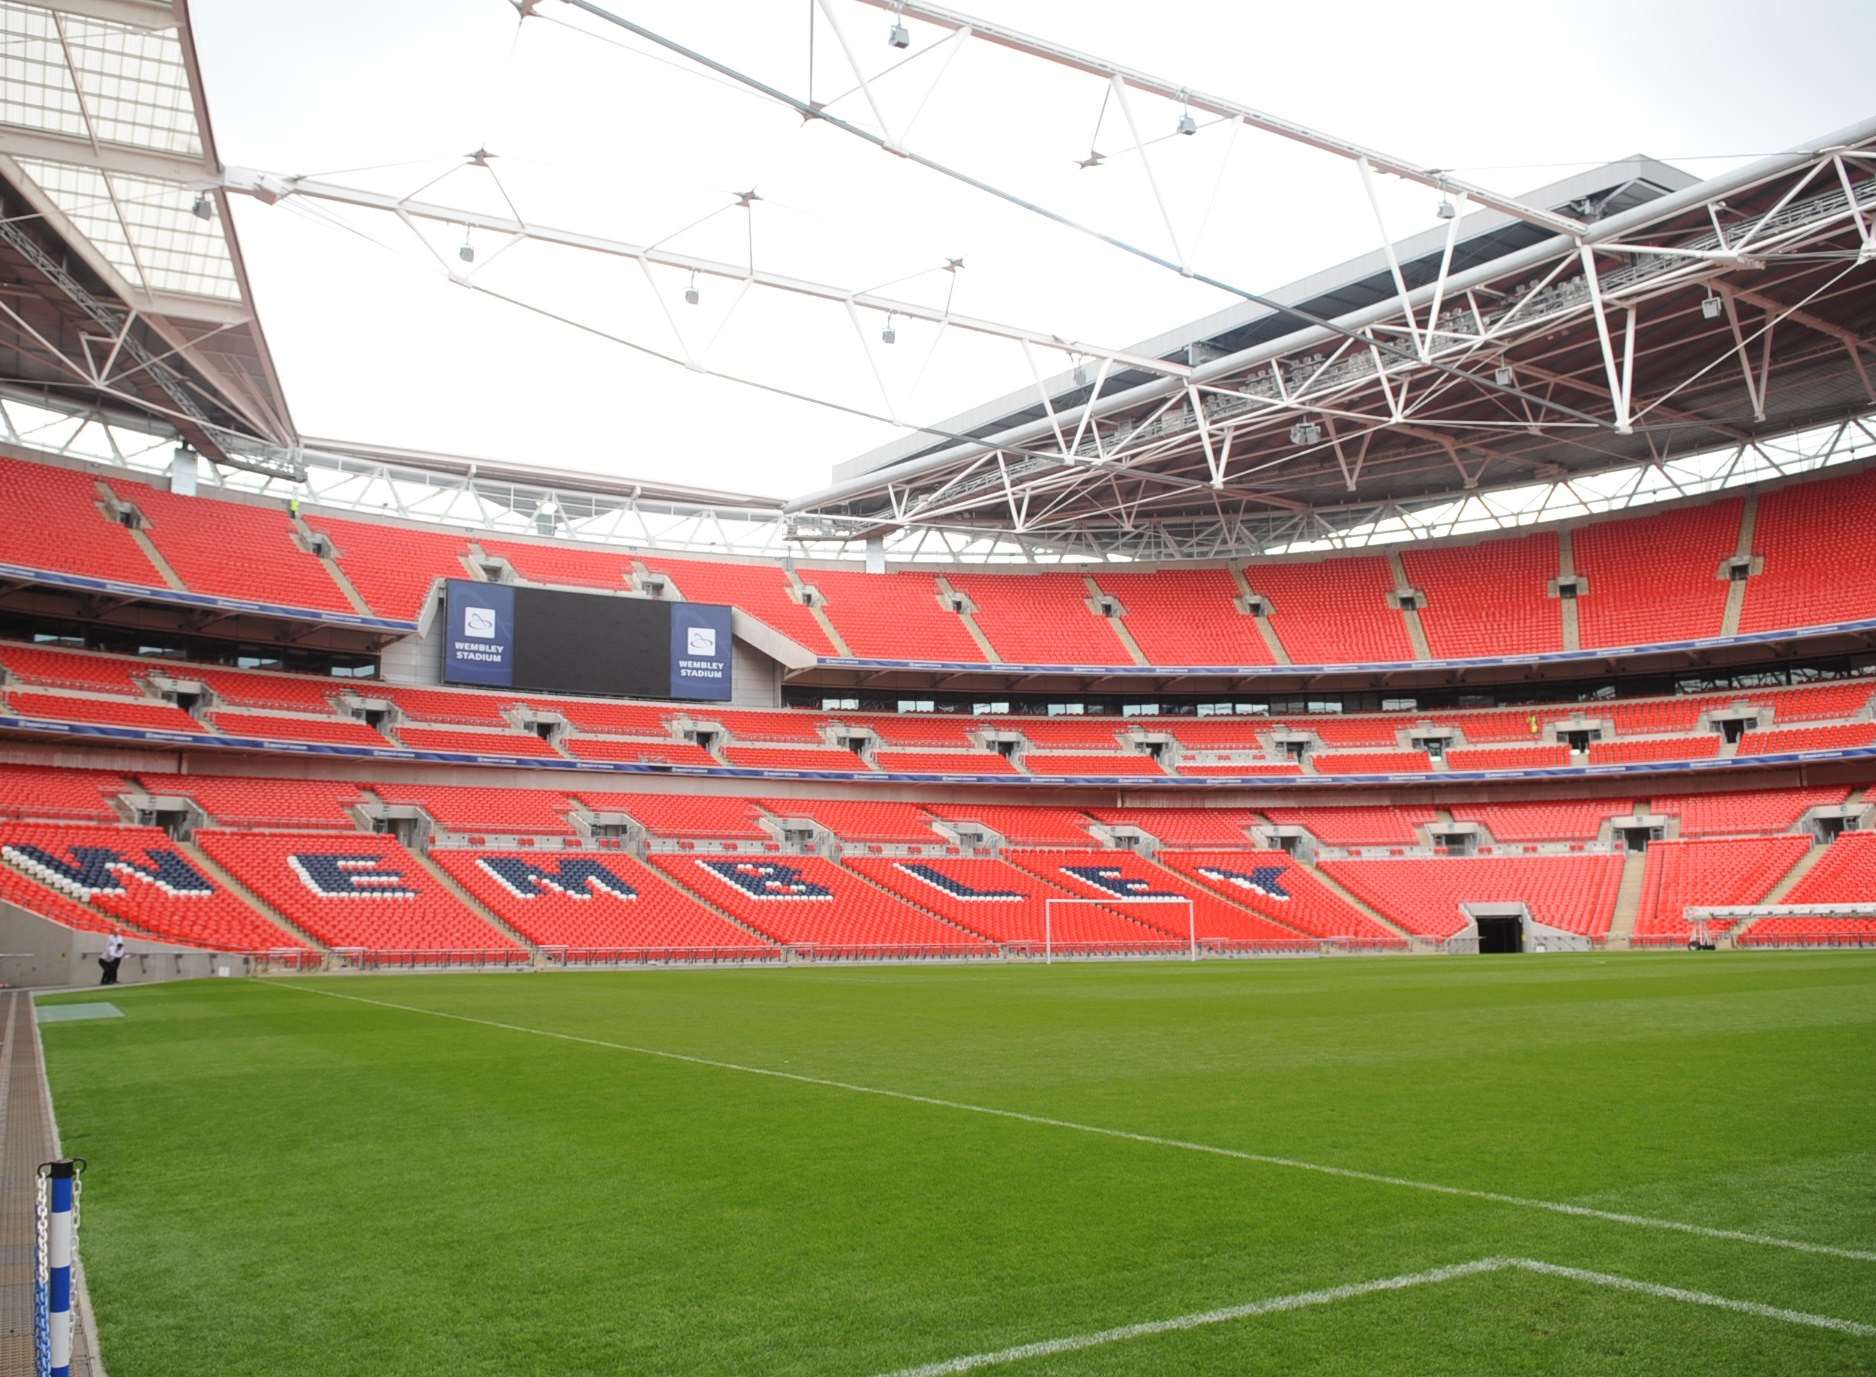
[{"x": 1050, "y": 907}]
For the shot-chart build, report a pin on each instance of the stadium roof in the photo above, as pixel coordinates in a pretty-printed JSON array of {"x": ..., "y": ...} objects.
[
  {"x": 1612, "y": 328},
  {"x": 129, "y": 288}
]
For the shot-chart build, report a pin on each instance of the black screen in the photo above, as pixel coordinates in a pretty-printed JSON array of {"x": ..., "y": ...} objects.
[{"x": 585, "y": 643}]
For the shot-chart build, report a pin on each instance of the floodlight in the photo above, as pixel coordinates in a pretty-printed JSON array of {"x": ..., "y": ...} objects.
[
  {"x": 897, "y": 36},
  {"x": 1305, "y": 433},
  {"x": 1447, "y": 211},
  {"x": 1711, "y": 306},
  {"x": 467, "y": 252},
  {"x": 888, "y": 335},
  {"x": 203, "y": 209},
  {"x": 1187, "y": 125},
  {"x": 1503, "y": 375},
  {"x": 691, "y": 295}
]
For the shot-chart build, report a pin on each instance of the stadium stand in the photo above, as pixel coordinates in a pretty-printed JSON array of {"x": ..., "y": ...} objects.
[
  {"x": 1817, "y": 702},
  {"x": 1242, "y": 770},
  {"x": 362, "y": 891},
  {"x": 943, "y": 763},
  {"x": 195, "y": 536},
  {"x": 241, "y": 802},
  {"x": 827, "y": 758},
  {"x": 564, "y": 565},
  {"x": 394, "y": 568},
  {"x": 1333, "y": 731},
  {"x": 1574, "y": 893},
  {"x": 801, "y": 728},
  {"x": 1208, "y": 829},
  {"x": 1076, "y": 733},
  {"x": 74, "y": 669},
  {"x": 860, "y": 820},
  {"x": 142, "y": 877},
  {"x": 666, "y": 752},
  {"x": 1186, "y": 617},
  {"x": 1040, "y": 619},
  {"x": 105, "y": 712},
  {"x": 761, "y": 590},
  {"x": 472, "y": 808},
  {"x": 683, "y": 815},
  {"x": 810, "y": 901},
  {"x": 502, "y": 743},
  {"x": 334, "y": 731},
  {"x": 1844, "y": 874},
  {"x": 243, "y": 689},
  {"x": 1662, "y": 748},
  {"x": 1019, "y": 824},
  {"x": 1371, "y": 762},
  {"x": 31, "y": 791},
  {"x": 457, "y": 707},
  {"x": 1355, "y": 825},
  {"x": 1152, "y": 895},
  {"x": 1800, "y": 531},
  {"x": 54, "y": 521},
  {"x": 1006, "y": 903},
  {"x": 1655, "y": 578},
  {"x": 1506, "y": 757},
  {"x": 1339, "y": 617},
  {"x": 894, "y": 616},
  {"x": 1824, "y": 738},
  {"x": 1280, "y": 889},
  {"x": 1488, "y": 599},
  {"x": 612, "y": 719},
  {"x": 608, "y": 904},
  {"x": 1682, "y": 873},
  {"x": 1544, "y": 821},
  {"x": 1746, "y": 811},
  {"x": 1091, "y": 766},
  {"x": 915, "y": 729}
]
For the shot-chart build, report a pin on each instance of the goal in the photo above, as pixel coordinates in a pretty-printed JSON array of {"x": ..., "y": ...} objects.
[{"x": 1159, "y": 910}]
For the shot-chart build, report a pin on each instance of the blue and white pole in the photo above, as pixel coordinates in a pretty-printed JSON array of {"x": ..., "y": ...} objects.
[{"x": 55, "y": 1349}]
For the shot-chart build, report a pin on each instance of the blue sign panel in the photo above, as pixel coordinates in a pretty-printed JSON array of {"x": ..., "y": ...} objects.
[
  {"x": 700, "y": 651},
  {"x": 479, "y": 647}
]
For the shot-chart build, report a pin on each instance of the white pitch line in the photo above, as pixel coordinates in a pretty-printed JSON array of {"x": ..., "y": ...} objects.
[
  {"x": 1638, "y": 1221},
  {"x": 1047, "y": 1348},
  {"x": 1301, "y": 1300}
]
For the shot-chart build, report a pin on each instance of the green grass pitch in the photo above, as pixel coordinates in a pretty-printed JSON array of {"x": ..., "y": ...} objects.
[{"x": 286, "y": 1182}]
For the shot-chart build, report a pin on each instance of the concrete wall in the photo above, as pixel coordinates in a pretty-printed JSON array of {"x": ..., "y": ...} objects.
[{"x": 38, "y": 953}]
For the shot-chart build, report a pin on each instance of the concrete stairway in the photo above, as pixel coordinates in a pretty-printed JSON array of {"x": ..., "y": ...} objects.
[
  {"x": 199, "y": 859},
  {"x": 1628, "y": 898}
]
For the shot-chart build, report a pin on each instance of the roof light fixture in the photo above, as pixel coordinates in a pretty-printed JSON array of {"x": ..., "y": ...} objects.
[
  {"x": 691, "y": 295},
  {"x": 1502, "y": 375},
  {"x": 889, "y": 335},
  {"x": 1305, "y": 433},
  {"x": 1447, "y": 210},
  {"x": 203, "y": 209},
  {"x": 1186, "y": 125},
  {"x": 1711, "y": 306}
]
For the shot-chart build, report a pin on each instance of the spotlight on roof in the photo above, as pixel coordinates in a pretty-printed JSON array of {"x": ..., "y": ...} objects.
[
  {"x": 203, "y": 209},
  {"x": 1187, "y": 125},
  {"x": 897, "y": 36},
  {"x": 467, "y": 252},
  {"x": 1711, "y": 306},
  {"x": 1305, "y": 433},
  {"x": 1502, "y": 375},
  {"x": 691, "y": 295},
  {"x": 888, "y": 335},
  {"x": 1447, "y": 211}
]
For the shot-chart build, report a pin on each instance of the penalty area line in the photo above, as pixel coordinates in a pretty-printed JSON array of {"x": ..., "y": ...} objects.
[
  {"x": 1048, "y": 1348},
  {"x": 1636, "y": 1221}
]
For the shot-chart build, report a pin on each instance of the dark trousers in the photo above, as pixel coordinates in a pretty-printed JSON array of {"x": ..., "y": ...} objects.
[{"x": 109, "y": 966}]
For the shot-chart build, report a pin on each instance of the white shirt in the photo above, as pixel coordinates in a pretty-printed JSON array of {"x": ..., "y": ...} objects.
[{"x": 114, "y": 948}]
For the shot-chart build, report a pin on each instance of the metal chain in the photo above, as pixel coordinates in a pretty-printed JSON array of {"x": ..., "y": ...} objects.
[{"x": 42, "y": 1274}]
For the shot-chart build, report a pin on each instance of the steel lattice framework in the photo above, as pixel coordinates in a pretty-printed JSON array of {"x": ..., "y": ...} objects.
[{"x": 1628, "y": 337}]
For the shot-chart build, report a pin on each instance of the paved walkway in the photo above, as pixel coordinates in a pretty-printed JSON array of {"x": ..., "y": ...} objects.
[{"x": 25, "y": 1142}]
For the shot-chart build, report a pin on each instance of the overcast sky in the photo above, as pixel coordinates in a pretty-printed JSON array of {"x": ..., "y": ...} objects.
[{"x": 375, "y": 343}]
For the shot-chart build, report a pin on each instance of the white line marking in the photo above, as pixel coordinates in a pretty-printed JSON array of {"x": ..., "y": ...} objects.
[
  {"x": 1300, "y": 1300},
  {"x": 1638, "y": 1221},
  {"x": 1649, "y": 1288}
]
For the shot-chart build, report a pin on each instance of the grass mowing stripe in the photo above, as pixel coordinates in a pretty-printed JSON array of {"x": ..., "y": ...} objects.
[
  {"x": 1047, "y": 1348},
  {"x": 1125, "y": 1135}
]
